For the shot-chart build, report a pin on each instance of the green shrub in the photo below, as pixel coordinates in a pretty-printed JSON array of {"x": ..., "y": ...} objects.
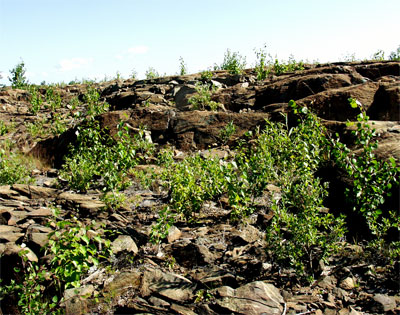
[
  {"x": 98, "y": 156},
  {"x": 233, "y": 62},
  {"x": 182, "y": 67},
  {"x": 18, "y": 79},
  {"x": 36, "y": 100},
  {"x": 53, "y": 99},
  {"x": 151, "y": 73},
  {"x": 206, "y": 76},
  {"x": 302, "y": 231},
  {"x": 372, "y": 179},
  {"x": 4, "y": 129},
  {"x": 395, "y": 55},
  {"x": 227, "y": 132},
  {"x": 378, "y": 55},
  {"x": 191, "y": 182},
  {"x": 75, "y": 247},
  {"x": 94, "y": 106},
  {"x": 202, "y": 99},
  {"x": 13, "y": 169},
  {"x": 281, "y": 67},
  {"x": 261, "y": 67}
]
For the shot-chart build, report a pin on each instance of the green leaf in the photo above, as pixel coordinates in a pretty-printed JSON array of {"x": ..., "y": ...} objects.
[
  {"x": 353, "y": 102},
  {"x": 85, "y": 239}
]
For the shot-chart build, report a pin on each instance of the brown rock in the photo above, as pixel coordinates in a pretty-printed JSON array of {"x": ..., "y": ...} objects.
[
  {"x": 123, "y": 282},
  {"x": 9, "y": 249},
  {"x": 76, "y": 300},
  {"x": 182, "y": 95},
  {"x": 124, "y": 243},
  {"x": 189, "y": 254},
  {"x": 84, "y": 202},
  {"x": 173, "y": 234},
  {"x": 10, "y": 233},
  {"x": 347, "y": 283},
  {"x": 167, "y": 284},
  {"x": 327, "y": 282},
  {"x": 34, "y": 192},
  {"x": 182, "y": 310},
  {"x": 253, "y": 298}
]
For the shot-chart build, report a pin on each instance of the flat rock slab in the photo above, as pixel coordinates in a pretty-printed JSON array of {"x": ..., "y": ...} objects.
[
  {"x": 85, "y": 202},
  {"x": 253, "y": 298},
  {"x": 35, "y": 192},
  {"x": 169, "y": 285}
]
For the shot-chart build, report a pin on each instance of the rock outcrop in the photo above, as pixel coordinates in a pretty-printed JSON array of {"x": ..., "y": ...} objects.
[{"x": 213, "y": 267}]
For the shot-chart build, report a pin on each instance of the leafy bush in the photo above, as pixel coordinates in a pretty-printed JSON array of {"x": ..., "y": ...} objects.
[
  {"x": 98, "y": 156},
  {"x": 281, "y": 67},
  {"x": 151, "y": 73},
  {"x": 4, "y": 129},
  {"x": 182, "y": 67},
  {"x": 53, "y": 99},
  {"x": 378, "y": 55},
  {"x": 261, "y": 64},
  {"x": 206, "y": 76},
  {"x": 233, "y": 62},
  {"x": 193, "y": 181},
  {"x": 36, "y": 100},
  {"x": 227, "y": 132},
  {"x": 395, "y": 55},
  {"x": 202, "y": 99},
  {"x": 13, "y": 169},
  {"x": 75, "y": 247},
  {"x": 372, "y": 179},
  {"x": 18, "y": 79},
  {"x": 94, "y": 105},
  {"x": 263, "y": 67}
]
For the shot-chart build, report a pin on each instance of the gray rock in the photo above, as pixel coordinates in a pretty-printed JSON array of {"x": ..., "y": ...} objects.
[
  {"x": 384, "y": 303},
  {"x": 158, "y": 302}
]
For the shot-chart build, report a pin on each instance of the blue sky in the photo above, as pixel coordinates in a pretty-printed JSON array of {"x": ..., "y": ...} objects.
[{"x": 75, "y": 39}]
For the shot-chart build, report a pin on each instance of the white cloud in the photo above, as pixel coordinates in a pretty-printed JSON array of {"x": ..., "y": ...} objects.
[
  {"x": 135, "y": 50},
  {"x": 73, "y": 63}
]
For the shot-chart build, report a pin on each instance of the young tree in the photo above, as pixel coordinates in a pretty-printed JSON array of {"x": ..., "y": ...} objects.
[{"x": 18, "y": 79}]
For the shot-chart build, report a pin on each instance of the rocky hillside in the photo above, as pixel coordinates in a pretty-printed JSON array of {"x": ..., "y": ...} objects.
[{"x": 184, "y": 218}]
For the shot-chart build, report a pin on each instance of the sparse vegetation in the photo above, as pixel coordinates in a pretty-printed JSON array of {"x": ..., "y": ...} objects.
[
  {"x": 182, "y": 67},
  {"x": 206, "y": 76},
  {"x": 202, "y": 100},
  {"x": 74, "y": 250},
  {"x": 227, "y": 132},
  {"x": 151, "y": 73},
  {"x": 287, "y": 154},
  {"x": 233, "y": 62},
  {"x": 395, "y": 55},
  {"x": 13, "y": 168}
]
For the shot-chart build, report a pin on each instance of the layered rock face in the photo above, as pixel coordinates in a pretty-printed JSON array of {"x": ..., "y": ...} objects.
[{"x": 213, "y": 266}]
